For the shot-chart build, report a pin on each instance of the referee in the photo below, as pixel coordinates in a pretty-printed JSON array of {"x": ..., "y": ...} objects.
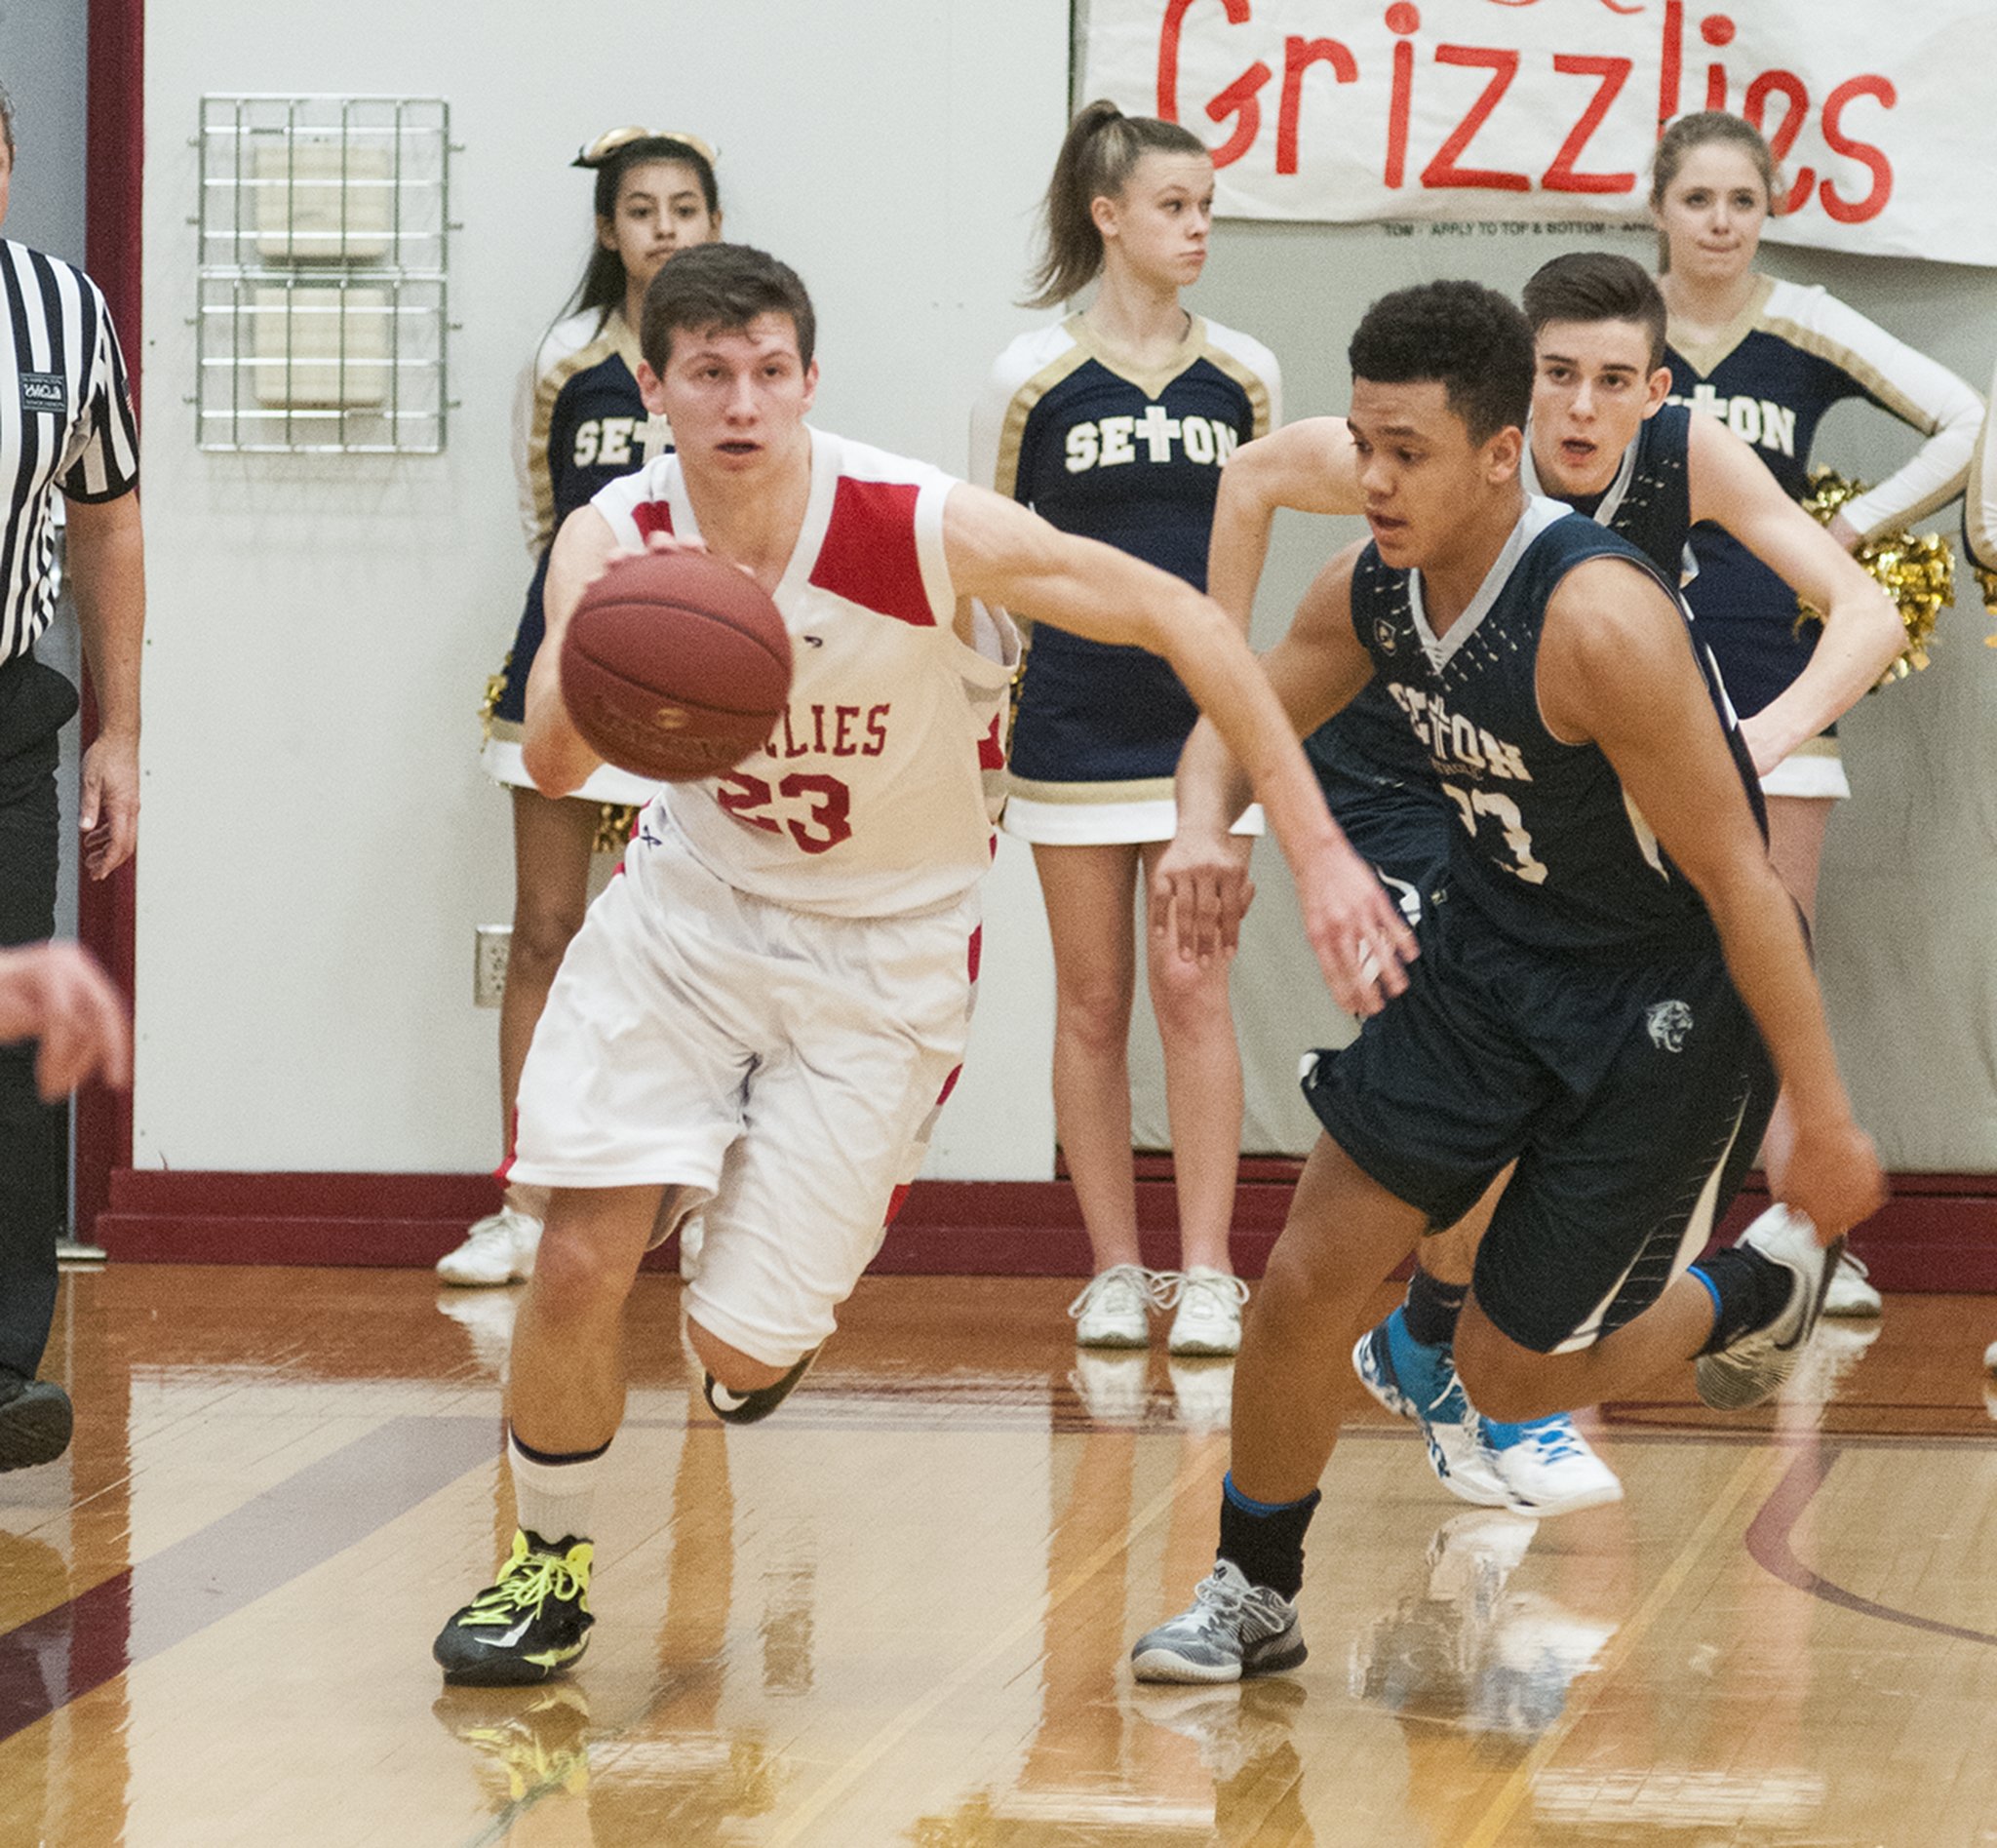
[{"x": 65, "y": 426}]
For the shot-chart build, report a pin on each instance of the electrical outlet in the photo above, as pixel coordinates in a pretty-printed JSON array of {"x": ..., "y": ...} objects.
[{"x": 492, "y": 945}]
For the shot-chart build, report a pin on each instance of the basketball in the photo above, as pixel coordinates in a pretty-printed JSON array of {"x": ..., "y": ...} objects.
[{"x": 674, "y": 666}]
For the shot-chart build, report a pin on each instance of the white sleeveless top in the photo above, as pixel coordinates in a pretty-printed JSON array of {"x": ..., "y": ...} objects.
[{"x": 875, "y": 795}]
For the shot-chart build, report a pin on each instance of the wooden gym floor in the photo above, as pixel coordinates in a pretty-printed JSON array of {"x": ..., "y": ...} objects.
[{"x": 897, "y": 1613}]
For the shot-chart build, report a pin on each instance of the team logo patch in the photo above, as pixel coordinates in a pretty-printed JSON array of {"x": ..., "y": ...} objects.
[
  {"x": 44, "y": 391},
  {"x": 1670, "y": 1021},
  {"x": 1384, "y": 638}
]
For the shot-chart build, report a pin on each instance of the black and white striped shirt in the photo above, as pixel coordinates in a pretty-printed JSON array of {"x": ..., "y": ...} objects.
[{"x": 65, "y": 422}]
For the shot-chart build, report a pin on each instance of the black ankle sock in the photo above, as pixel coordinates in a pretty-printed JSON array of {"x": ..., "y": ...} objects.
[
  {"x": 1266, "y": 1540},
  {"x": 1751, "y": 1292},
  {"x": 1432, "y": 1308}
]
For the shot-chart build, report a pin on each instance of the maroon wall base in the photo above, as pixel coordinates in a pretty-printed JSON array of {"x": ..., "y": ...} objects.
[{"x": 1938, "y": 1232}]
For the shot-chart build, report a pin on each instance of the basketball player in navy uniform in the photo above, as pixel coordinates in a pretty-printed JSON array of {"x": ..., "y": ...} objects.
[
  {"x": 1115, "y": 424},
  {"x": 762, "y": 1015},
  {"x": 1610, "y": 978},
  {"x": 1604, "y": 440}
]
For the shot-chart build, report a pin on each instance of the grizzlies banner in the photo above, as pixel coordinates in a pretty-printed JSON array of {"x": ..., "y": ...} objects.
[{"x": 1547, "y": 110}]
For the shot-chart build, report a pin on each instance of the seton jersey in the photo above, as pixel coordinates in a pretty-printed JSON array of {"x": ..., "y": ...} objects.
[
  {"x": 870, "y": 799},
  {"x": 1134, "y": 460},
  {"x": 1549, "y": 850},
  {"x": 1367, "y": 751},
  {"x": 1771, "y": 376},
  {"x": 579, "y": 421}
]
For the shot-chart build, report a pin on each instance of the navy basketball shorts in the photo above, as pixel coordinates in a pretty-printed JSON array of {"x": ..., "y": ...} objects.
[
  {"x": 1405, "y": 836},
  {"x": 1632, "y": 1097}
]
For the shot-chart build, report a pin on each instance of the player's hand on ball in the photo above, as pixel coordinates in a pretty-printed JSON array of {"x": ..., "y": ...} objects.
[
  {"x": 1360, "y": 937},
  {"x": 1831, "y": 1173},
  {"x": 1201, "y": 891}
]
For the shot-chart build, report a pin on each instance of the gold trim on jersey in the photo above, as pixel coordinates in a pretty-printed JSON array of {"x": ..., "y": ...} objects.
[
  {"x": 1706, "y": 356},
  {"x": 1140, "y": 789},
  {"x": 1021, "y": 406},
  {"x": 615, "y": 338}
]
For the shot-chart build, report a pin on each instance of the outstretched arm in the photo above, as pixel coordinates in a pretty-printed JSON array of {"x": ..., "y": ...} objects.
[
  {"x": 1308, "y": 467},
  {"x": 1000, "y": 552},
  {"x": 552, "y": 749},
  {"x": 1314, "y": 669},
  {"x": 1617, "y": 670},
  {"x": 1863, "y": 632}
]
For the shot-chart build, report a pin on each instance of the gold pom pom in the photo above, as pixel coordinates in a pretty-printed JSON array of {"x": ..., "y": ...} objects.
[
  {"x": 1987, "y": 582},
  {"x": 614, "y": 822},
  {"x": 1916, "y": 569}
]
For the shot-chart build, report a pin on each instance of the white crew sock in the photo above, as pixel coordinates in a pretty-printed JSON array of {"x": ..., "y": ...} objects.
[{"x": 555, "y": 1499}]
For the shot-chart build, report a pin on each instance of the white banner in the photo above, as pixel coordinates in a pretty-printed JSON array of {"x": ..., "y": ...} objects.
[{"x": 1884, "y": 116}]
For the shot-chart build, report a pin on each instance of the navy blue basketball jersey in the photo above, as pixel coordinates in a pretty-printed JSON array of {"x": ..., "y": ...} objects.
[
  {"x": 1770, "y": 378},
  {"x": 1366, "y": 750},
  {"x": 1549, "y": 850},
  {"x": 1133, "y": 460}
]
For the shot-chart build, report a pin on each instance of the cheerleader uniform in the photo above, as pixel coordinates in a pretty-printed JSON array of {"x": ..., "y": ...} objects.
[
  {"x": 578, "y": 425},
  {"x": 1132, "y": 460},
  {"x": 1770, "y": 376}
]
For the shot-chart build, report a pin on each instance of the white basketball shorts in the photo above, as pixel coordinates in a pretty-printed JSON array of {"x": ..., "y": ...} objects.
[{"x": 783, "y": 1065}]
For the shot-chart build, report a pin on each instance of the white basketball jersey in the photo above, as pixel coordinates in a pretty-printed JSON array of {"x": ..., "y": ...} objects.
[{"x": 871, "y": 797}]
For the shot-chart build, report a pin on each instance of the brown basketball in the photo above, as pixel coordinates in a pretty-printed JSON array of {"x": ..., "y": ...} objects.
[{"x": 674, "y": 666}]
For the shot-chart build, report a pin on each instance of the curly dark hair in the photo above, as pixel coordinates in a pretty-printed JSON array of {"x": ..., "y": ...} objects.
[{"x": 1467, "y": 338}]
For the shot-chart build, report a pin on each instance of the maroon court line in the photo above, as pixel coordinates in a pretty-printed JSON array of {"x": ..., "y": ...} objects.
[
  {"x": 254, "y": 1549},
  {"x": 1768, "y": 1545}
]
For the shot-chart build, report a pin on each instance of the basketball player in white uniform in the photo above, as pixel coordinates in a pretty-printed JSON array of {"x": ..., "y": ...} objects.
[{"x": 762, "y": 1014}]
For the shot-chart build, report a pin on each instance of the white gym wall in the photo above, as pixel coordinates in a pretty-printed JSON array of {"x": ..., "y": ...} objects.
[{"x": 318, "y": 842}]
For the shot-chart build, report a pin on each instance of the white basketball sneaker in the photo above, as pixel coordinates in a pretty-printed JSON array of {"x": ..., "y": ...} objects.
[
  {"x": 1851, "y": 1292},
  {"x": 1114, "y": 1311},
  {"x": 1209, "y": 1310},
  {"x": 500, "y": 1248},
  {"x": 1754, "y": 1366},
  {"x": 1547, "y": 1467}
]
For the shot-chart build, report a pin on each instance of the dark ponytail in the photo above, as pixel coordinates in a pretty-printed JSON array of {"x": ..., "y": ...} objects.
[{"x": 1102, "y": 147}]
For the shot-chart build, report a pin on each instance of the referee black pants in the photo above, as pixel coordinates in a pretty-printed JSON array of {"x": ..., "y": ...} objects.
[{"x": 35, "y": 703}]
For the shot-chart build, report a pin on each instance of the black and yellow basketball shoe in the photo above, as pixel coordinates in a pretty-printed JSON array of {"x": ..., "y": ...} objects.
[{"x": 533, "y": 1622}]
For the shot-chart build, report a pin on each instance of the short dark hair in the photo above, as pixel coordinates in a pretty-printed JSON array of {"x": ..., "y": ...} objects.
[
  {"x": 725, "y": 287},
  {"x": 1597, "y": 286},
  {"x": 7, "y": 119},
  {"x": 1458, "y": 335}
]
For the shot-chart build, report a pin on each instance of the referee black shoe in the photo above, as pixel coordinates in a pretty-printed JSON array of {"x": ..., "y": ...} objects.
[
  {"x": 533, "y": 1622},
  {"x": 36, "y": 1419}
]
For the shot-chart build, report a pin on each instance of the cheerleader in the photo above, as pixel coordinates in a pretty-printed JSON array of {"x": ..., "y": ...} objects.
[
  {"x": 1114, "y": 424},
  {"x": 578, "y": 424},
  {"x": 1769, "y": 359}
]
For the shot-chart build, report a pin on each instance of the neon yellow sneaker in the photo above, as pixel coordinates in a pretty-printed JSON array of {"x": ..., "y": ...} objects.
[{"x": 533, "y": 1622}]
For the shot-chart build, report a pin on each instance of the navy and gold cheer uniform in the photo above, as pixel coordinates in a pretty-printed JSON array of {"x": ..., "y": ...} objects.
[
  {"x": 1570, "y": 1009},
  {"x": 578, "y": 425},
  {"x": 1771, "y": 376},
  {"x": 1135, "y": 461}
]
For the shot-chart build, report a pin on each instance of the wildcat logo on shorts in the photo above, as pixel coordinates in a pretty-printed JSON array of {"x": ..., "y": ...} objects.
[
  {"x": 1384, "y": 638},
  {"x": 1669, "y": 1022}
]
